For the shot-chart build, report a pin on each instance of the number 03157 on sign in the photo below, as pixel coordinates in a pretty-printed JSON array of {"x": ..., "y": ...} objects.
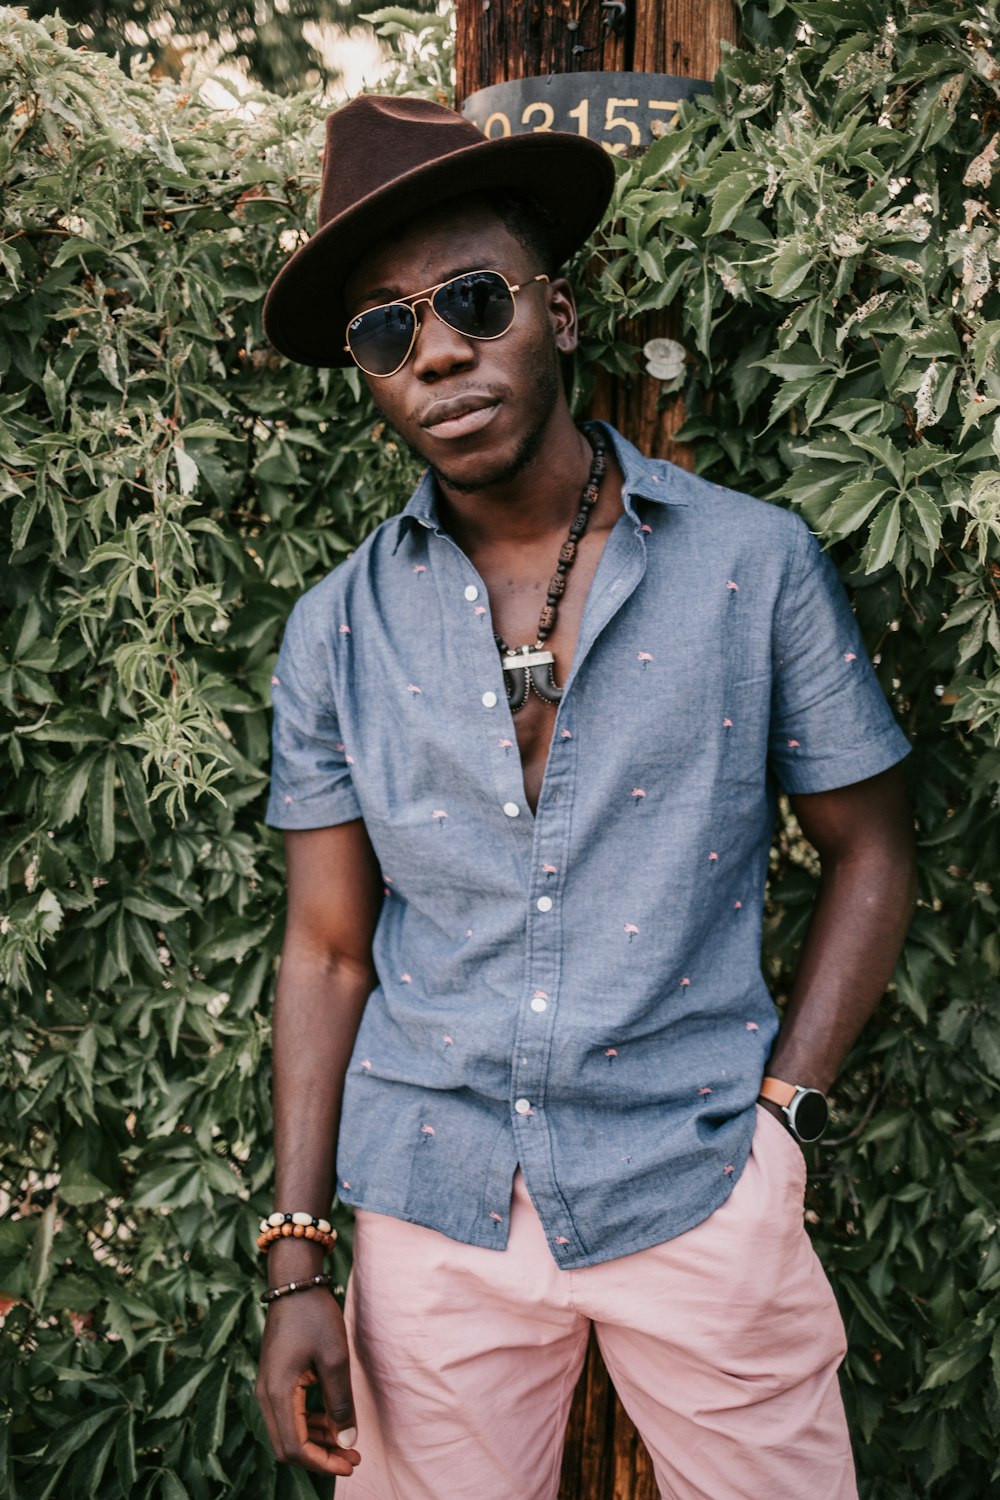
[{"x": 625, "y": 112}]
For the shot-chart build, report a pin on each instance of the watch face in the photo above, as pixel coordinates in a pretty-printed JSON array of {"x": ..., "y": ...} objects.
[{"x": 809, "y": 1115}]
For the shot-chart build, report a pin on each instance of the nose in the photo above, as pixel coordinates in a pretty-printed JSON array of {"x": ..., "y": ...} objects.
[{"x": 439, "y": 349}]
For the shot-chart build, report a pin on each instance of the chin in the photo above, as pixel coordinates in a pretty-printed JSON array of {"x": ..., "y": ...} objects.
[{"x": 488, "y": 469}]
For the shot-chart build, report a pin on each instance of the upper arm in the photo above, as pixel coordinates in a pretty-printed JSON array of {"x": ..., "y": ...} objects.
[
  {"x": 334, "y": 893},
  {"x": 868, "y": 816}
]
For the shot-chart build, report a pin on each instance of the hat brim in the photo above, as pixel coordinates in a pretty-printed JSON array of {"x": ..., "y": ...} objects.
[{"x": 304, "y": 312}]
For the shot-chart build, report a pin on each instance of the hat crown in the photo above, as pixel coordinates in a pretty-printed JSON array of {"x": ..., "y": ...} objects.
[
  {"x": 389, "y": 159},
  {"x": 377, "y": 138}
]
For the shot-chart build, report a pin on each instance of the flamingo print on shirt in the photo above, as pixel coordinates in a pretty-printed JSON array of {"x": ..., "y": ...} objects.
[
  {"x": 644, "y": 658},
  {"x": 632, "y": 930},
  {"x": 637, "y": 794}
]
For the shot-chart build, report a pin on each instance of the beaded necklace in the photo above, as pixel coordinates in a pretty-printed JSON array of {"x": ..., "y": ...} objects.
[{"x": 522, "y": 664}]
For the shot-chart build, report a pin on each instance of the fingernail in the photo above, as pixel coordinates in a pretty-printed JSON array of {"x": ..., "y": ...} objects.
[{"x": 347, "y": 1437}]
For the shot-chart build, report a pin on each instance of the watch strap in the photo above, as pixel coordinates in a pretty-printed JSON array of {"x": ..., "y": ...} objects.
[{"x": 778, "y": 1092}]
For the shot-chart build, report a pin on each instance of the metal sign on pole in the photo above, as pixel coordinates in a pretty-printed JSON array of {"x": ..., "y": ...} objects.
[{"x": 615, "y": 72}]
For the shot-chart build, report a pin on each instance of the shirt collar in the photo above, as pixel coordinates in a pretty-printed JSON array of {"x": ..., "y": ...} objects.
[{"x": 645, "y": 479}]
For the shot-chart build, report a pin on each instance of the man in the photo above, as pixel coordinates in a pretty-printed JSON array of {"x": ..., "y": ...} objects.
[{"x": 526, "y": 748}]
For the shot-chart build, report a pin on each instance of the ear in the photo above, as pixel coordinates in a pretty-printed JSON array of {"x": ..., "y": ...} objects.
[{"x": 561, "y": 305}]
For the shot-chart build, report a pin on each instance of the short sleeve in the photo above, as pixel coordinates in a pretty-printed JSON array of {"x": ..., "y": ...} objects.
[
  {"x": 830, "y": 723},
  {"x": 311, "y": 785}
]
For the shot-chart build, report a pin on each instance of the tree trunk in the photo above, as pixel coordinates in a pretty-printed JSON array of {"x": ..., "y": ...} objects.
[{"x": 501, "y": 40}]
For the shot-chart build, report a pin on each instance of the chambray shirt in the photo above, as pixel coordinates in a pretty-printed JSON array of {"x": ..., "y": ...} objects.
[{"x": 577, "y": 991}]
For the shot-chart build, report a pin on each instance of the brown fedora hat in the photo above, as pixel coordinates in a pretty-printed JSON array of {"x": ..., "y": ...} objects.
[{"x": 386, "y": 160}]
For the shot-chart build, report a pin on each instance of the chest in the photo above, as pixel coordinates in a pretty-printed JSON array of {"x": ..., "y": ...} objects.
[{"x": 517, "y": 584}]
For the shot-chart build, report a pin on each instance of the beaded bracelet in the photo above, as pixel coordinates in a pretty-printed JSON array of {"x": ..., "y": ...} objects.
[
  {"x": 294, "y": 1286},
  {"x": 298, "y": 1225}
]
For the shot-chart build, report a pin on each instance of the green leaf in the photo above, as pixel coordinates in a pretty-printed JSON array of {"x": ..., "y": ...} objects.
[
  {"x": 853, "y": 506},
  {"x": 136, "y": 795},
  {"x": 868, "y": 1311},
  {"x": 882, "y": 537},
  {"x": 40, "y": 1258},
  {"x": 177, "y": 1392},
  {"x": 66, "y": 789},
  {"x": 730, "y": 196},
  {"x": 944, "y": 1368},
  {"x": 101, "y": 807},
  {"x": 928, "y": 514},
  {"x": 790, "y": 269}
]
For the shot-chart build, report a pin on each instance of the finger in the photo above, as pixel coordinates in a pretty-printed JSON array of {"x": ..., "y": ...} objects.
[
  {"x": 323, "y": 1432},
  {"x": 335, "y": 1379},
  {"x": 295, "y": 1444}
]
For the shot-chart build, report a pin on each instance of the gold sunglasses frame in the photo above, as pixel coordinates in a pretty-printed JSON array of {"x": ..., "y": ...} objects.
[{"x": 427, "y": 295}]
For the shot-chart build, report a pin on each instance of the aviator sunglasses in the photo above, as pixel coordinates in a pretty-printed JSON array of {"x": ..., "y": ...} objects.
[{"x": 477, "y": 304}]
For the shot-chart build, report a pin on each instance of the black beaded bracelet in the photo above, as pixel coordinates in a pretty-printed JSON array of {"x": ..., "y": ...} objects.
[{"x": 295, "y": 1286}]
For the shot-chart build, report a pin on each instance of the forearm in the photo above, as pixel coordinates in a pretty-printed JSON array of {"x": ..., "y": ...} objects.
[
  {"x": 859, "y": 922},
  {"x": 318, "y": 1009}
]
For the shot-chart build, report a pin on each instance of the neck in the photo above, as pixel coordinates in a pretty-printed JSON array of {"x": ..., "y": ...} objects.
[{"x": 541, "y": 498}]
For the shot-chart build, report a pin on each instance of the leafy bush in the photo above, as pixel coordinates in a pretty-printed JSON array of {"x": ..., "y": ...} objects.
[{"x": 168, "y": 486}]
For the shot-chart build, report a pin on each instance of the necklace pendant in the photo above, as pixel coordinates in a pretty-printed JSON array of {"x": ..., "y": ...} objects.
[
  {"x": 526, "y": 673},
  {"x": 516, "y": 661}
]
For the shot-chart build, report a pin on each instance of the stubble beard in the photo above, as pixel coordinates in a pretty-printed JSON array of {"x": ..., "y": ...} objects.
[{"x": 542, "y": 402}]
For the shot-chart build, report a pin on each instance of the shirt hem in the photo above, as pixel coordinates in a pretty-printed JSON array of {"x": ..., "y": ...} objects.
[
  {"x": 832, "y": 772},
  {"x": 576, "y": 1262},
  {"x": 312, "y": 818}
]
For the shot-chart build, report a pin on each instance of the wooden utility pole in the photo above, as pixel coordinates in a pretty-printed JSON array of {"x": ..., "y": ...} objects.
[{"x": 499, "y": 41}]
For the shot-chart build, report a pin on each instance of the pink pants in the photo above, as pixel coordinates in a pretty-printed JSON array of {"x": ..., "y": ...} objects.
[{"x": 723, "y": 1345}]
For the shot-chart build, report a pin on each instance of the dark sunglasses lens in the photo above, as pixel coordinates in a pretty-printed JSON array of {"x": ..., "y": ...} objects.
[
  {"x": 479, "y": 304},
  {"x": 380, "y": 339}
]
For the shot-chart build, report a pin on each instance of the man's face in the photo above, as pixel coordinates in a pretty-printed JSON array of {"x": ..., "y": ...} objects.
[{"x": 475, "y": 410}]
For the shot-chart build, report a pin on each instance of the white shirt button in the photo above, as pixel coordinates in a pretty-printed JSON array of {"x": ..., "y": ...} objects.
[
  {"x": 489, "y": 700},
  {"x": 538, "y": 1004},
  {"x": 471, "y": 593},
  {"x": 523, "y": 1106},
  {"x": 544, "y": 903},
  {"x": 512, "y": 810}
]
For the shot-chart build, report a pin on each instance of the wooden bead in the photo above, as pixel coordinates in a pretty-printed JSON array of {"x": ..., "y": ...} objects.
[
  {"x": 297, "y": 1231},
  {"x": 286, "y": 1229},
  {"x": 310, "y": 1232}
]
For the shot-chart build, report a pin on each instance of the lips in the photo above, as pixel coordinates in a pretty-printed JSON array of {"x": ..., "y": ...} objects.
[{"x": 460, "y": 415}]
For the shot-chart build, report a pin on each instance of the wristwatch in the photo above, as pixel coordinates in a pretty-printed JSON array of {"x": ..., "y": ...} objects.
[{"x": 805, "y": 1110}]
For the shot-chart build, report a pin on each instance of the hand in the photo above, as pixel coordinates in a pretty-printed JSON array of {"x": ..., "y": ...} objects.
[{"x": 305, "y": 1343}]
